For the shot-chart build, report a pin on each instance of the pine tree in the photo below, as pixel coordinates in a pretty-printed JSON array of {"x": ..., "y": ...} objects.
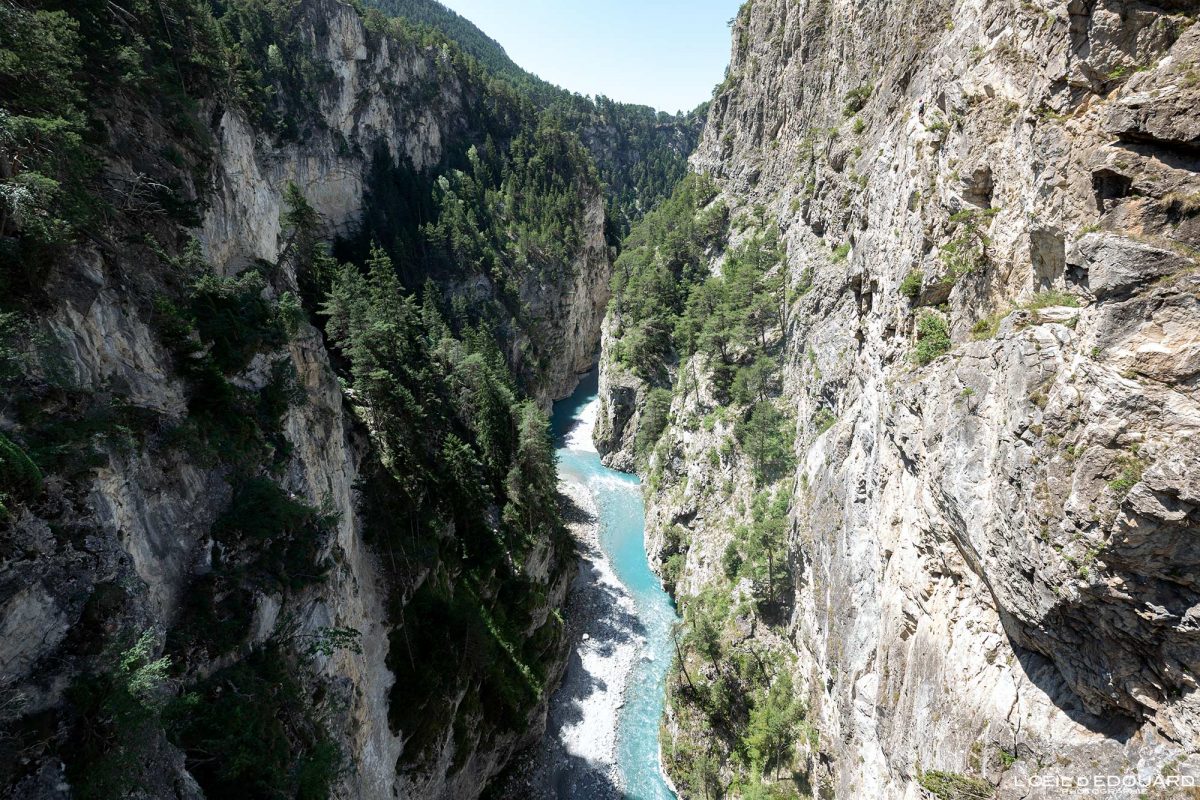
[{"x": 764, "y": 437}]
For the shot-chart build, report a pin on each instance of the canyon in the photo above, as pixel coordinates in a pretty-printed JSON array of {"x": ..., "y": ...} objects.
[{"x": 907, "y": 365}]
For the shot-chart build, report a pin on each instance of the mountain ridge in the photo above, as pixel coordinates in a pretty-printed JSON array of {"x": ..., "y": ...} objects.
[{"x": 641, "y": 152}]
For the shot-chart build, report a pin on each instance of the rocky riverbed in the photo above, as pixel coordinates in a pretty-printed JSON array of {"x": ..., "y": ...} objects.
[{"x": 577, "y": 757}]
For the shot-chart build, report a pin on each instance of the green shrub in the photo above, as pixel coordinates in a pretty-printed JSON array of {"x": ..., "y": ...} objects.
[
  {"x": 675, "y": 539},
  {"x": 290, "y": 313},
  {"x": 283, "y": 536},
  {"x": 14, "y": 331},
  {"x": 740, "y": 698},
  {"x": 20, "y": 479},
  {"x": 731, "y": 560},
  {"x": 823, "y": 419},
  {"x": 213, "y": 333},
  {"x": 966, "y": 252},
  {"x": 672, "y": 571},
  {"x": 933, "y": 338},
  {"x": 267, "y": 542},
  {"x": 910, "y": 287},
  {"x": 804, "y": 286},
  {"x": 233, "y": 319},
  {"x": 214, "y": 615},
  {"x": 1051, "y": 298},
  {"x": 1132, "y": 468},
  {"x": 988, "y": 327},
  {"x": 74, "y": 441},
  {"x": 953, "y": 786},
  {"x": 857, "y": 98},
  {"x": 756, "y": 382},
  {"x": 841, "y": 251},
  {"x": 118, "y": 710},
  {"x": 758, "y": 550},
  {"x": 961, "y": 256},
  {"x": 445, "y": 632},
  {"x": 655, "y": 417},
  {"x": 251, "y": 731},
  {"x": 43, "y": 198},
  {"x": 774, "y": 724},
  {"x": 224, "y": 324},
  {"x": 765, "y": 436}
]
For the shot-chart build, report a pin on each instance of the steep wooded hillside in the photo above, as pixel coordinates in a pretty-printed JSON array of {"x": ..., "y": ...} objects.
[
  {"x": 286, "y": 292},
  {"x": 640, "y": 153}
]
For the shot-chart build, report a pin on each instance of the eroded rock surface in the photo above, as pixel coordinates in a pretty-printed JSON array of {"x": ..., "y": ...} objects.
[{"x": 994, "y": 554}]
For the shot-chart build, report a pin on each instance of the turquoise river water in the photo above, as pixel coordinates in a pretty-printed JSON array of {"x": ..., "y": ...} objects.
[{"x": 621, "y": 509}]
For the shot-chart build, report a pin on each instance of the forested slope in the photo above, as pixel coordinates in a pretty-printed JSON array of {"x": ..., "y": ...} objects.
[
  {"x": 286, "y": 291},
  {"x": 641, "y": 153}
]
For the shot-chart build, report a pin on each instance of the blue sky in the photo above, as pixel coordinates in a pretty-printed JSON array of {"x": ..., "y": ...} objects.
[{"x": 663, "y": 53}]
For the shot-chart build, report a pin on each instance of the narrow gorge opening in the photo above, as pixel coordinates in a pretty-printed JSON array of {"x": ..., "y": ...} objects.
[{"x": 732, "y": 400}]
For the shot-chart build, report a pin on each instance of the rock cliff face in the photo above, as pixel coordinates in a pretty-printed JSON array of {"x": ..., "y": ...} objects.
[
  {"x": 119, "y": 548},
  {"x": 384, "y": 101},
  {"x": 992, "y": 552}
]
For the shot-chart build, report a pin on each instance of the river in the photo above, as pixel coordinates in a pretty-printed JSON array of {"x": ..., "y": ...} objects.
[{"x": 602, "y": 738}]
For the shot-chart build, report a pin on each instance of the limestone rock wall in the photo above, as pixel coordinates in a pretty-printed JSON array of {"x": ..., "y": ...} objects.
[
  {"x": 144, "y": 520},
  {"x": 994, "y": 552}
]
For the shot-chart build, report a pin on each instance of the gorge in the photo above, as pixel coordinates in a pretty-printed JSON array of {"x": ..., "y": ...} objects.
[{"x": 900, "y": 334}]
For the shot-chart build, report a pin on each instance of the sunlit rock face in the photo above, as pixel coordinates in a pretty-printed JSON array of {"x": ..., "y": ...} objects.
[{"x": 995, "y": 553}]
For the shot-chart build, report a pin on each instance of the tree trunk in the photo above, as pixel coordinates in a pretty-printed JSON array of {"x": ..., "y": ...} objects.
[{"x": 682, "y": 665}]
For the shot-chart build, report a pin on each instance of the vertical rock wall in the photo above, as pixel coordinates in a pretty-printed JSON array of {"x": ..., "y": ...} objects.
[{"x": 994, "y": 552}]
